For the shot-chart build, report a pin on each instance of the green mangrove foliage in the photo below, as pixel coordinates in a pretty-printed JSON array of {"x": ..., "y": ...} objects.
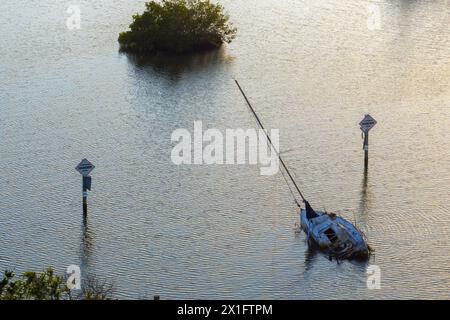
[
  {"x": 46, "y": 285},
  {"x": 33, "y": 286},
  {"x": 178, "y": 26}
]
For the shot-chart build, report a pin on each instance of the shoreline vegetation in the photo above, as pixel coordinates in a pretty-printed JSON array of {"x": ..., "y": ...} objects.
[
  {"x": 46, "y": 285},
  {"x": 177, "y": 27}
]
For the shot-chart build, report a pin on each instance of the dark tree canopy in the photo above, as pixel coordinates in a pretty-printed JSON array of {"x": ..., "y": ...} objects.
[{"x": 178, "y": 26}]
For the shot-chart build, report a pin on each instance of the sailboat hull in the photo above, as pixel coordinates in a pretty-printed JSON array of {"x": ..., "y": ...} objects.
[{"x": 335, "y": 236}]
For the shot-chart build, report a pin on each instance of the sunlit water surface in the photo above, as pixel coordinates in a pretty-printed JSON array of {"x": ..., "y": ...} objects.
[{"x": 312, "y": 70}]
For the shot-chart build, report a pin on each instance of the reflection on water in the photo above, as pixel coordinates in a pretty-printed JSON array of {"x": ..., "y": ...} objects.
[
  {"x": 312, "y": 69},
  {"x": 86, "y": 246},
  {"x": 364, "y": 207},
  {"x": 177, "y": 65},
  {"x": 310, "y": 257}
]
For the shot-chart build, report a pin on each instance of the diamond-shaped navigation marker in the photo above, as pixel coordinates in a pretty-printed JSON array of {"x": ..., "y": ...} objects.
[
  {"x": 367, "y": 123},
  {"x": 85, "y": 167}
]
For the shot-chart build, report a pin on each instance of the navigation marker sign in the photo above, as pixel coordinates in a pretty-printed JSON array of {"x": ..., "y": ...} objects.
[
  {"x": 367, "y": 123},
  {"x": 85, "y": 167}
]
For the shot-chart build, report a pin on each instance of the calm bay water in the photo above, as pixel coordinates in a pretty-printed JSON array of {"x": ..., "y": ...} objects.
[{"x": 312, "y": 70}]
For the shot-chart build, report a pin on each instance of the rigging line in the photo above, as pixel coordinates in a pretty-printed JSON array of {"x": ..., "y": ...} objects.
[
  {"x": 270, "y": 141},
  {"x": 284, "y": 176},
  {"x": 290, "y": 189}
]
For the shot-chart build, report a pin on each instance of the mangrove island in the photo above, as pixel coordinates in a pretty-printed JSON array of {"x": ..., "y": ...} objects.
[{"x": 178, "y": 26}]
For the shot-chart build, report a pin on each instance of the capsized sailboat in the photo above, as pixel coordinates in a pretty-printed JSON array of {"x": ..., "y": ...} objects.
[{"x": 334, "y": 235}]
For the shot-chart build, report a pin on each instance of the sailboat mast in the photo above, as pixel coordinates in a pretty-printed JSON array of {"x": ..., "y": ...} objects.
[{"x": 270, "y": 141}]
